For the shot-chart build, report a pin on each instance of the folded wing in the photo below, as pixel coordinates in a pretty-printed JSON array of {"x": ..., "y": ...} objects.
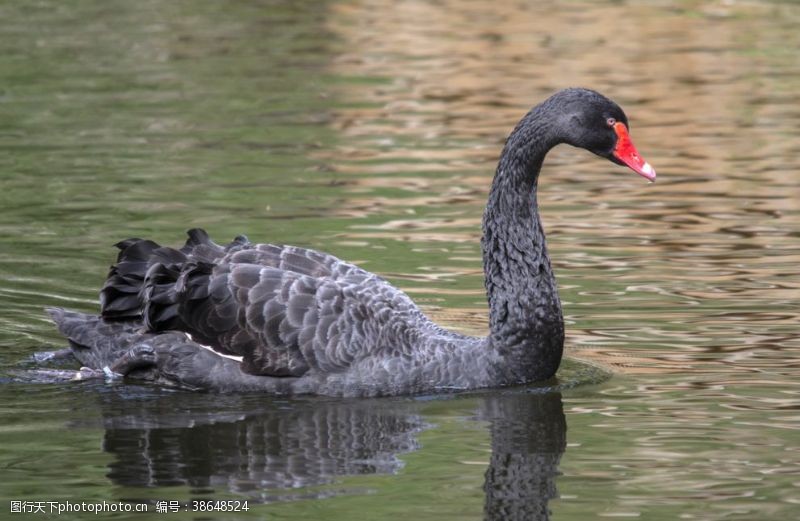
[{"x": 285, "y": 310}]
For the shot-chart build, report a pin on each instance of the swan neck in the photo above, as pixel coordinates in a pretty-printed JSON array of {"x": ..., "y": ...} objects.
[{"x": 525, "y": 318}]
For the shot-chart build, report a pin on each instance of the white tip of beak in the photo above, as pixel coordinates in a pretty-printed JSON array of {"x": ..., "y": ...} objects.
[{"x": 649, "y": 172}]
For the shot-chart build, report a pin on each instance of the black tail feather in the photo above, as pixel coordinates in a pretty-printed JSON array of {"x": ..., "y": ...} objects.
[
  {"x": 159, "y": 297},
  {"x": 201, "y": 248},
  {"x": 119, "y": 297},
  {"x": 148, "y": 279}
]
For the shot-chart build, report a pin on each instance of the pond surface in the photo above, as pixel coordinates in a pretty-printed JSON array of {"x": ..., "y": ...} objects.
[{"x": 370, "y": 130}]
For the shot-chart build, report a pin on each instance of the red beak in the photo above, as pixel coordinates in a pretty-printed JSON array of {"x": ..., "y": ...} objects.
[{"x": 626, "y": 152}]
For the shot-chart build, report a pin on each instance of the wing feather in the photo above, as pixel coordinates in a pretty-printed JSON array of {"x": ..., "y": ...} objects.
[
  {"x": 285, "y": 310},
  {"x": 286, "y": 322}
]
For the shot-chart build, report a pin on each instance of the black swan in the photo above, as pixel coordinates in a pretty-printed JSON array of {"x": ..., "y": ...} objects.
[{"x": 288, "y": 320}]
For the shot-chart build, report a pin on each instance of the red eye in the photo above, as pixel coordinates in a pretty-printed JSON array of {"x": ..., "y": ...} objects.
[{"x": 611, "y": 122}]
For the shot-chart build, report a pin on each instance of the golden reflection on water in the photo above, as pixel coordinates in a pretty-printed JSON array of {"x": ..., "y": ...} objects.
[{"x": 697, "y": 273}]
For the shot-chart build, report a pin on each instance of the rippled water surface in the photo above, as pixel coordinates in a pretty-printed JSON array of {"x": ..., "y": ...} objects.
[{"x": 371, "y": 130}]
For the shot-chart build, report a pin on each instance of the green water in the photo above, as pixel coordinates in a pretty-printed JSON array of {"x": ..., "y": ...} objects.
[{"x": 370, "y": 130}]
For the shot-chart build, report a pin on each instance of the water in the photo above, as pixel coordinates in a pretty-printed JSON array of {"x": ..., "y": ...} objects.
[{"x": 371, "y": 130}]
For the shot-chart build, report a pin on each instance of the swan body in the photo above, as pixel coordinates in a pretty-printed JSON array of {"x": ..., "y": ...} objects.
[{"x": 289, "y": 320}]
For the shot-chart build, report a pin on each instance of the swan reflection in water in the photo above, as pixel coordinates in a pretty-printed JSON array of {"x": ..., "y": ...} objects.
[
  {"x": 528, "y": 436},
  {"x": 267, "y": 450}
]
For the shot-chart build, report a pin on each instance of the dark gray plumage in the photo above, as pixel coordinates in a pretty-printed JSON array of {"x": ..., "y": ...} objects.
[{"x": 307, "y": 322}]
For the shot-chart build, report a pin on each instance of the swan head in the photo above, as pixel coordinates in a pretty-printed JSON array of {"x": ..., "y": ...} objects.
[{"x": 591, "y": 121}]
